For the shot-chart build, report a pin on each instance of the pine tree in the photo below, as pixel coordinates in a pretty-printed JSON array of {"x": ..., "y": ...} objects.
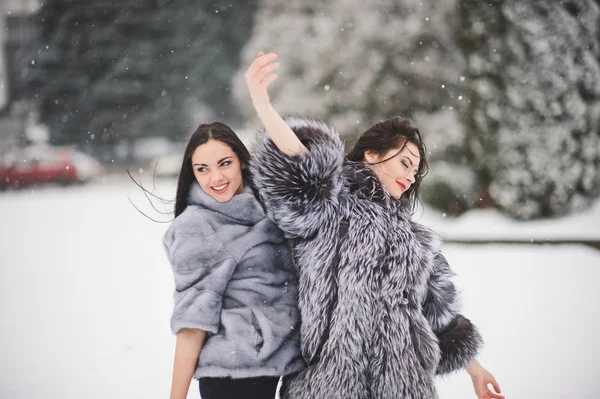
[
  {"x": 110, "y": 71},
  {"x": 534, "y": 113}
]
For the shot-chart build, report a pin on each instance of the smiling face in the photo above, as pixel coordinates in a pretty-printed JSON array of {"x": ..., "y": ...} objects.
[
  {"x": 397, "y": 168},
  {"x": 218, "y": 170}
]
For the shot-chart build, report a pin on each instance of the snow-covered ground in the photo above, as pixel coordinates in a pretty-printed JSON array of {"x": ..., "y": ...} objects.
[
  {"x": 85, "y": 300},
  {"x": 492, "y": 225}
]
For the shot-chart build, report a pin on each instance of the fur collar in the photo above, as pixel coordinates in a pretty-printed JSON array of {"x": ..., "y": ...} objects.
[
  {"x": 363, "y": 182},
  {"x": 243, "y": 208}
]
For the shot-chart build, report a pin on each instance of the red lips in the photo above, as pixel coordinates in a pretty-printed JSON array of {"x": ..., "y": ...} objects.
[
  {"x": 402, "y": 185},
  {"x": 223, "y": 187}
]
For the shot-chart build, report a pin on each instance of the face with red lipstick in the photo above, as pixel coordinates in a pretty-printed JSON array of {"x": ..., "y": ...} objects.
[
  {"x": 393, "y": 148},
  {"x": 218, "y": 170},
  {"x": 397, "y": 168}
]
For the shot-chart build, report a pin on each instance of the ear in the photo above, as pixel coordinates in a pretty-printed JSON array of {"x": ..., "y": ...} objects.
[
  {"x": 243, "y": 166},
  {"x": 370, "y": 156}
]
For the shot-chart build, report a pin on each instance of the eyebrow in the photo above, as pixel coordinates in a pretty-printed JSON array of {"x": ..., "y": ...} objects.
[{"x": 220, "y": 160}]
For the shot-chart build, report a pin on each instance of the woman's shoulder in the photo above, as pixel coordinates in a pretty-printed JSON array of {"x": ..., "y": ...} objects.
[
  {"x": 315, "y": 134},
  {"x": 194, "y": 223},
  {"x": 311, "y": 129},
  {"x": 192, "y": 219},
  {"x": 190, "y": 234}
]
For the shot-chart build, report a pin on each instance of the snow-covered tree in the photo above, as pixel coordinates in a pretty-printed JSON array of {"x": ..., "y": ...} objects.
[
  {"x": 534, "y": 105},
  {"x": 353, "y": 62},
  {"x": 451, "y": 184},
  {"x": 107, "y": 71}
]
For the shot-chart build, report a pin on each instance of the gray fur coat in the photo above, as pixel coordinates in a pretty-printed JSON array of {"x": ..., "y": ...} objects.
[
  {"x": 395, "y": 323},
  {"x": 235, "y": 279}
]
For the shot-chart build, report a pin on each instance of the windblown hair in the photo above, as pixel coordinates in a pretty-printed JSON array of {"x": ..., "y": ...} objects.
[{"x": 389, "y": 134}]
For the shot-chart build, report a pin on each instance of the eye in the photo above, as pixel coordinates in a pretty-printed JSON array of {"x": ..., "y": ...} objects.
[
  {"x": 226, "y": 163},
  {"x": 201, "y": 169},
  {"x": 405, "y": 164}
]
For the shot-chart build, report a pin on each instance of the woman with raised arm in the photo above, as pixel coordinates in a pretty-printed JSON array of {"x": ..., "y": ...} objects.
[{"x": 380, "y": 314}]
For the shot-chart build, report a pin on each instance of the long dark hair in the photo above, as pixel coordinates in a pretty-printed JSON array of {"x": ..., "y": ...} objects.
[
  {"x": 205, "y": 132},
  {"x": 387, "y": 135}
]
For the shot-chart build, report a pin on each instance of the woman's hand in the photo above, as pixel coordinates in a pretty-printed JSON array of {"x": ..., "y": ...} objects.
[
  {"x": 481, "y": 380},
  {"x": 259, "y": 77}
]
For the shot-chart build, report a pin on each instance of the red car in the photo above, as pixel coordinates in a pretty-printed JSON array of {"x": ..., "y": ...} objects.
[{"x": 46, "y": 164}]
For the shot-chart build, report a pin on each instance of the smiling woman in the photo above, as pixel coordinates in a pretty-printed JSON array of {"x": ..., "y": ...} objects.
[
  {"x": 235, "y": 308},
  {"x": 380, "y": 312},
  {"x": 216, "y": 159},
  {"x": 396, "y": 152},
  {"x": 218, "y": 170}
]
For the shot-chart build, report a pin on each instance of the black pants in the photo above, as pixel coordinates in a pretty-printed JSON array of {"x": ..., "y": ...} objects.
[{"x": 247, "y": 388}]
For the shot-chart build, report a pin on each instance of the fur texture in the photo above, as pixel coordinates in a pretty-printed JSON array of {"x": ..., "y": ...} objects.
[
  {"x": 235, "y": 279},
  {"x": 393, "y": 286}
]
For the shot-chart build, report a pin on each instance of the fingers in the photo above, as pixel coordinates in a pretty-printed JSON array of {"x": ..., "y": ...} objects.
[
  {"x": 259, "y": 62},
  {"x": 263, "y": 76},
  {"x": 495, "y": 385},
  {"x": 264, "y": 71},
  {"x": 269, "y": 79},
  {"x": 493, "y": 395},
  {"x": 262, "y": 62}
]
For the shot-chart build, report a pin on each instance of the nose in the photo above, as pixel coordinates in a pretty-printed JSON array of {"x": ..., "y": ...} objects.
[
  {"x": 217, "y": 176},
  {"x": 410, "y": 178}
]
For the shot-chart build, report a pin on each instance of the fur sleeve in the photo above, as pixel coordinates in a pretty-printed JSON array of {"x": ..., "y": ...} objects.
[
  {"x": 299, "y": 191},
  {"x": 201, "y": 269},
  {"x": 459, "y": 340}
]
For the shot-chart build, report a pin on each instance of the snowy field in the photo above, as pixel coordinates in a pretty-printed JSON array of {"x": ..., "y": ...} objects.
[{"x": 85, "y": 300}]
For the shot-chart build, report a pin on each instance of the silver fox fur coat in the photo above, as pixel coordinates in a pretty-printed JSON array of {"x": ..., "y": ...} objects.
[{"x": 380, "y": 316}]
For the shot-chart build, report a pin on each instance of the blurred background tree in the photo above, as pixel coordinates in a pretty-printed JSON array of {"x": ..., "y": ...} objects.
[
  {"x": 505, "y": 93},
  {"x": 114, "y": 71},
  {"x": 533, "y": 120}
]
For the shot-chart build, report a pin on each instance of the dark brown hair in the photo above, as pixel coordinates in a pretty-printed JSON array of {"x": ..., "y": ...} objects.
[
  {"x": 205, "y": 132},
  {"x": 387, "y": 135}
]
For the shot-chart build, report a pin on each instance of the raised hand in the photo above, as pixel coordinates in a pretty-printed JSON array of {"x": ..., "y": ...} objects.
[{"x": 259, "y": 76}]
